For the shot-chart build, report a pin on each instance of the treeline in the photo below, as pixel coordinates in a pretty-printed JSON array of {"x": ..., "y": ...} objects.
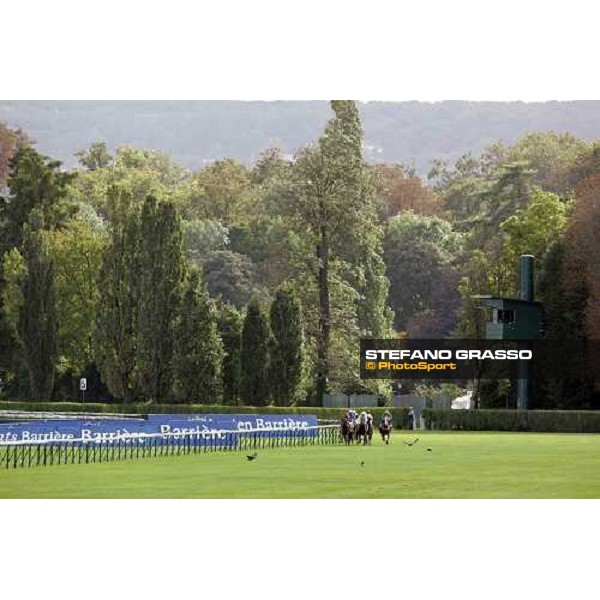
[
  {"x": 122, "y": 305},
  {"x": 234, "y": 285},
  {"x": 254, "y": 285},
  {"x": 541, "y": 197}
]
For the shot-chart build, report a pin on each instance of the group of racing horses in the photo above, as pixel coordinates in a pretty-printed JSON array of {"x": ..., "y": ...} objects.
[{"x": 360, "y": 429}]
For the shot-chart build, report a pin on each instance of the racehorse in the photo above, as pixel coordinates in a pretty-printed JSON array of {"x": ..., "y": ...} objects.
[
  {"x": 362, "y": 430},
  {"x": 370, "y": 430},
  {"x": 385, "y": 428},
  {"x": 348, "y": 430}
]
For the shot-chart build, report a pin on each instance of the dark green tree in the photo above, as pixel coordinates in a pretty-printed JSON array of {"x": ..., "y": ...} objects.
[
  {"x": 419, "y": 254},
  {"x": 286, "y": 348},
  {"x": 254, "y": 360},
  {"x": 119, "y": 292},
  {"x": 162, "y": 270},
  {"x": 198, "y": 347},
  {"x": 375, "y": 317},
  {"x": 35, "y": 190},
  {"x": 37, "y": 326},
  {"x": 231, "y": 277},
  {"x": 335, "y": 208},
  {"x": 8, "y": 344},
  {"x": 230, "y": 330},
  {"x": 35, "y": 182},
  {"x": 563, "y": 289},
  {"x": 95, "y": 157}
]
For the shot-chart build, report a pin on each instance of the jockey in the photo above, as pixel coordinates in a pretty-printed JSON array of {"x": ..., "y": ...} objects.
[
  {"x": 351, "y": 416},
  {"x": 369, "y": 420},
  {"x": 386, "y": 415}
]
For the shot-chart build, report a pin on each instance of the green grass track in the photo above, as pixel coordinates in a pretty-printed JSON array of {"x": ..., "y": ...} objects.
[{"x": 459, "y": 465}]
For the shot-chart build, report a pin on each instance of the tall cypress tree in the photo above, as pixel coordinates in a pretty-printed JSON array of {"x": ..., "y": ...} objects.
[
  {"x": 198, "y": 348},
  {"x": 255, "y": 357},
  {"x": 230, "y": 330},
  {"x": 36, "y": 190},
  {"x": 118, "y": 306},
  {"x": 37, "y": 319},
  {"x": 286, "y": 348},
  {"x": 162, "y": 270},
  {"x": 7, "y": 342}
]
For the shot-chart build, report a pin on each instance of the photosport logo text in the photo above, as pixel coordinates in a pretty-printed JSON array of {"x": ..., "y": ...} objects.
[
  {"x": 482, "y": 359},
  {"x": 435, "y": 360}
]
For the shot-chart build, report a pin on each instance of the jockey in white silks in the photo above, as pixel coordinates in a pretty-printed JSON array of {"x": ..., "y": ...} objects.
[
  {"x": 352, "y": 416},
  {"x": 362, "y": 418},
  {"x": 387, "y": 418}
]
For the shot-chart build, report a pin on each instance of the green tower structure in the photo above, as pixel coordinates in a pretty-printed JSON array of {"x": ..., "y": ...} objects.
[{"x": 518, "y": 319}]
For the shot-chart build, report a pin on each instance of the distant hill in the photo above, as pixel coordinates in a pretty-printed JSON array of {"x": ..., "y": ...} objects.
[{"x": 197, "y": 132}]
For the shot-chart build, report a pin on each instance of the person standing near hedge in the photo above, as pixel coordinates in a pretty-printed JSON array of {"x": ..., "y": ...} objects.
[{"x": 411, "y": 418}]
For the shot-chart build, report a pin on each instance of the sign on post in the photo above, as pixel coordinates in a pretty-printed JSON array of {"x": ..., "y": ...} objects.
[{"x": 83, "y": 384}]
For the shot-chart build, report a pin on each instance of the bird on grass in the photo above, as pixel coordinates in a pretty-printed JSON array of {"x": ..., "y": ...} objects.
[
  {"x": 252, "y": 456},
  {"x": 412, "y": 443}
]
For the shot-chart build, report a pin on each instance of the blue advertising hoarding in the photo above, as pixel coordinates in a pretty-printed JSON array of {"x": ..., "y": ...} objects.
[{"x": 199, "y": 429}]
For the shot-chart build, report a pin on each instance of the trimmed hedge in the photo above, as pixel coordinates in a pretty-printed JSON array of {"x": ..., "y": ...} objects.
[
  {"x": 564, "y": 421},
  {"x": 399, "y": 415}
]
